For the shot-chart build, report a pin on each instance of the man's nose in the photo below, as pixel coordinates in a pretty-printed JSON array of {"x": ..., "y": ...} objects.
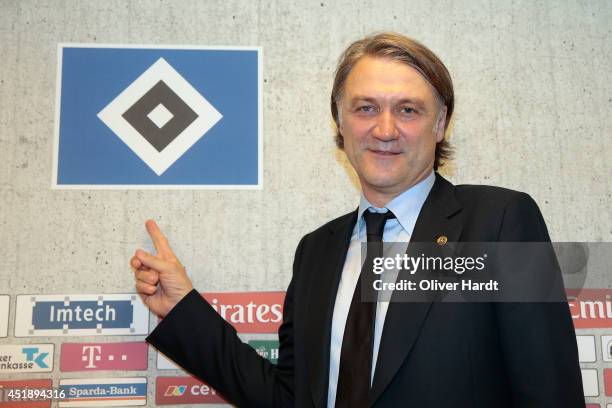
[{"x": 385, "y": 127}]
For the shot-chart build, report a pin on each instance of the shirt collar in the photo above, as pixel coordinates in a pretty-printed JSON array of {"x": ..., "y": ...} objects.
[{"x": 405, "y": 206}]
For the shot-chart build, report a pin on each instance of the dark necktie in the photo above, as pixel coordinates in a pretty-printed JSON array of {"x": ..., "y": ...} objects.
[{"x": 356, "y": 354}]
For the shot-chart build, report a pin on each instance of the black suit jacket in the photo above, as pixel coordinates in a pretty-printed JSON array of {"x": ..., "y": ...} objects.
[{"x": 489, "y": 355}]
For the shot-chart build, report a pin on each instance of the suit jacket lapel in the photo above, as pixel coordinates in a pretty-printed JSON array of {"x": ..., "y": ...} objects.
[
  {"x": 321, "y": 298},
  {"x": 438, "y": 217}
]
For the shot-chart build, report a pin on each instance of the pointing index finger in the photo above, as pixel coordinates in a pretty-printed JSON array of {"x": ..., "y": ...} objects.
[{"x": 159, "y": 239}]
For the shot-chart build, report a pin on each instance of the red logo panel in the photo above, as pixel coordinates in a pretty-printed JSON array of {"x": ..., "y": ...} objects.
[
  {"x": 591, "y": 308},
  {"x": 19, "y": 388},
  {"x": 249, "y": 312},
  {"x": 104, "y": 356},
  {"x": 608, "y": 381},
  {"x": 185, "y": 390}
]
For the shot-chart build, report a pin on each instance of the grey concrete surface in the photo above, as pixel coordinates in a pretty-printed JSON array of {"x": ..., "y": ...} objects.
[{"x": 534, "y": 97}]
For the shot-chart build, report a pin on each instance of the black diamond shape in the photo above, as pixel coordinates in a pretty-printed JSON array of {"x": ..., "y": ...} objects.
[{"x": 183, "y": 116}]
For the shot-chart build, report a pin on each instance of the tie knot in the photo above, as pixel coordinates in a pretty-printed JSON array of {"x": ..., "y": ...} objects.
[{"x": 375, "y": 224}]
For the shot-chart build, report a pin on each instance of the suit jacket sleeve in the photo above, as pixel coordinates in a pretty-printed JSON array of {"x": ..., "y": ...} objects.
[
  {"x": 197, "y": 338},
  {"x": 538, "y": 339}
]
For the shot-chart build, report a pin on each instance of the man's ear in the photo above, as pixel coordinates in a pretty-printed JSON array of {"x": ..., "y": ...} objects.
[
  {"x": 440, "y": 124},
  {"x": 339, "y": 123}
]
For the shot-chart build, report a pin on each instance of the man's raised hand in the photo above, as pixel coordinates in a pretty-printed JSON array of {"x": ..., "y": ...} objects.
[{"x": 161, "y": 280}]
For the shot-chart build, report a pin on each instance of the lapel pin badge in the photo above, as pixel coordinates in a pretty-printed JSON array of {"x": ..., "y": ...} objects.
[{"x": 442, "y": 240}]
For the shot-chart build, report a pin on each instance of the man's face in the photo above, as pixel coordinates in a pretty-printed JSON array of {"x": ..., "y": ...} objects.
[{"x": 390, "y": 123}]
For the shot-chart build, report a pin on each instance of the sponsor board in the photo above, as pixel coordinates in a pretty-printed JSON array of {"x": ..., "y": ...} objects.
[
  {"x": 591, "y": 308},
  {"x": 138, "y": 116},
  {"x": 586, "y": 349},
  {"x": 606, "y": 348},
  {"x": 103, "y": 392},
  {"x": 589, "y": 382},
  {"x": 266, "y": 348},
  {"x": 164, "y": 363},
  {"x": 104, "y": 356},
  {"x": 80, "y": 315},
  {"x": 249, "y": 312},
  {"x": 4, "y": 315},
  {"x": 184, "y": 390},
  {"x": 26, "y": 358},
  {"x": 15, "y": 393}
]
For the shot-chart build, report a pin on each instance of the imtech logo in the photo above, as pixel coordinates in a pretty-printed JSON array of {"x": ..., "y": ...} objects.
[
  {"x": 69, "y": 315},
  {"x": 175, "y": 391},
  {"x": 185, "y": 390}
]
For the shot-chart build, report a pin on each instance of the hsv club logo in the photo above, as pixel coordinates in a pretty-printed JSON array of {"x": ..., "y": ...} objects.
[
  {"x": 104, "y": 356},
  {"x": 184, "y": 390},
  {"x": 138, "y": 116},
  {"x": 249, "y": 312},
  {"x": 158, "y": 110}
]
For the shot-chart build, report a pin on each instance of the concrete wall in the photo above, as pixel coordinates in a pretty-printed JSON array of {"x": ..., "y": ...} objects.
[{"x": 533, "y": 102}]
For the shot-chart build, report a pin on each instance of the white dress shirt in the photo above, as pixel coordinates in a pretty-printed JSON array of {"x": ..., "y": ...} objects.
[{"x": 406, "y": 208}]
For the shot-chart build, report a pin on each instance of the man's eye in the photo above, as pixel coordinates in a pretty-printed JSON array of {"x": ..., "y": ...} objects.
[
  {"x": 365, "y": 108},
  {"x": 407, "y": 110}
]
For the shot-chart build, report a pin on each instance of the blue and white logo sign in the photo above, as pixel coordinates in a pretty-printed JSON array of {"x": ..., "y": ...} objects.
[
  {"x": 103, "y": 392},
  {"x": 26, "y": 358},
  {"x": 75, "y": 315},
  {"x": 147, "y": 117}
]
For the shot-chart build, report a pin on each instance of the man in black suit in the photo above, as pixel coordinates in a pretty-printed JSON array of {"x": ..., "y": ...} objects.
[{"x": 392, "y": 101}]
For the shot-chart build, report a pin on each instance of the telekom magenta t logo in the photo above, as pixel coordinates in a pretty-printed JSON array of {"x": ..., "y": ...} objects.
[{"x": 104, "y": 356}]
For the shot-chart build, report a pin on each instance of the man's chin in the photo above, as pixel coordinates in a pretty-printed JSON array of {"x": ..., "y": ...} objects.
[{"x": 383, "y": 184}]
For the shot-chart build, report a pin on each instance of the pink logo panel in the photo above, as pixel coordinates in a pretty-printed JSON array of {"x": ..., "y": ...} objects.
[{"x": 104, "y": 356}]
